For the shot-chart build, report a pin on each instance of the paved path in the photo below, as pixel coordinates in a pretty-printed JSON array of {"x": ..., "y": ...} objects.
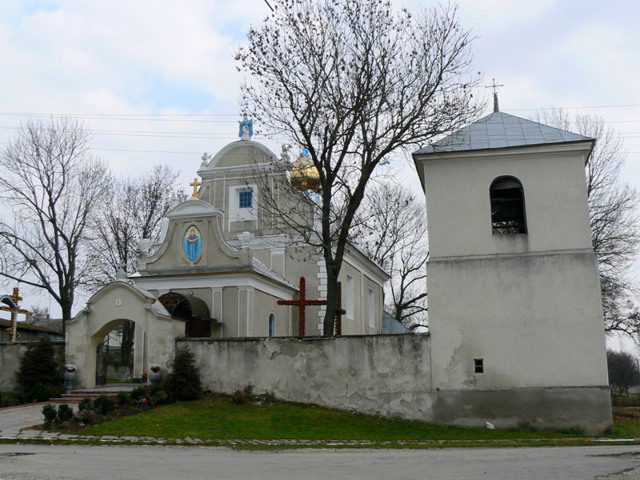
[
  {"x": 80, "y": 462},
  {"x": 15, "y": 422}
]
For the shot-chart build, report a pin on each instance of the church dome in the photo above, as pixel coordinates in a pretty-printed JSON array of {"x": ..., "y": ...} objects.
[{"x": 304, "y": 174}]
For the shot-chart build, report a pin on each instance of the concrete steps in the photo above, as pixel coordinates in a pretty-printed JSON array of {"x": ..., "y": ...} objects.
[{"x": 111, "y": 391}]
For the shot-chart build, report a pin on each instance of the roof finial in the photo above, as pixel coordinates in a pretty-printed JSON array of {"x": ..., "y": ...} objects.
[{"x": 493, "y": 85}]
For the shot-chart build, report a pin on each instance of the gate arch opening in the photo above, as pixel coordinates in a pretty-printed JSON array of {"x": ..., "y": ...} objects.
[{"x": 192, "y": 309}]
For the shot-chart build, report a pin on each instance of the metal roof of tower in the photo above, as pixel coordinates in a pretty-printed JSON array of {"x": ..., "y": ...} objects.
[{"x": 501, "y": 130}]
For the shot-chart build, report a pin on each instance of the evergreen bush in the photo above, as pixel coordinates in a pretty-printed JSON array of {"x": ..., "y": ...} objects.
[
  {"x": 85, "y": 404},
  {"x": 49, "y": 412},
  {"x": 65, "y": 413},
  {"x": 103, "y": 405},
  {"x": 39, "y": 366},
  {"x": 184, "y": 380},
  {"x": 40, "y": 393},
  {"x": 124, "y": 399},
  {"x": 138, "y": 393}
]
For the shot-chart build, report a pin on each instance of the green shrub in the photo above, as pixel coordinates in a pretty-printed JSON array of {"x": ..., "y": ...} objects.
[
  {"x": 49, "y": 412},
  {"x": 85, "y": 404},
  {"x": 138, "y": 393},
  {"x": 65, "y": 413},
  {"x": 39, "y": 366},
  {"x": 86, "y": 416},
  {"x": 40, "y": 393},
  {"x": 124, "y": 399},
  {"x": 158, "y": 398},
  {"x": 184, "y": 380},
  {"x": 103, "y": 405}
]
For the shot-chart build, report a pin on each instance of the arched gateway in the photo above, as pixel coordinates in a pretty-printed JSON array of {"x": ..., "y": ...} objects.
[{"x": 156, "y": 329}]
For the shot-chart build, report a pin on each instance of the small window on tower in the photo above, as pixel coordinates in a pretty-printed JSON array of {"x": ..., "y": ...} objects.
[
  {"x": 478, "y": 365},
  {"x": 246, "y": 199}
]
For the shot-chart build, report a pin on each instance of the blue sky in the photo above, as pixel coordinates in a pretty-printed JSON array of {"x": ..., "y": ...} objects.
[{"x": 157, "y": 82}]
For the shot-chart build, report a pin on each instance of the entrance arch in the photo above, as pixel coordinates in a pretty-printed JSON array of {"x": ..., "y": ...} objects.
[
  {"x": 156, "y": 329},
  {"x": 192, "y": 309},
  {"x": 105, "y": 353}
]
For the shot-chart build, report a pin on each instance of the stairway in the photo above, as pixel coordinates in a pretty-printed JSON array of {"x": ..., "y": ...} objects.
[{"x": 110, "y": 390}]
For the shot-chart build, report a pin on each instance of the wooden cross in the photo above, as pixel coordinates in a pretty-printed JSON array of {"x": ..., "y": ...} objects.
[
  {"x": 195, "y": 185},
  {"x": 13, "y": 329},
  {"x": 303, "y": 302}
]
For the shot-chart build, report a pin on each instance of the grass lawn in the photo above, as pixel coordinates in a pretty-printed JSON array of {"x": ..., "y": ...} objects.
[{"x": 217, "y": 418}]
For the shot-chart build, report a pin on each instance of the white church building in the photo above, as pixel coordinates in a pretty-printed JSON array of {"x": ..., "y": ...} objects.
[
  {"x": 220, "y": 268},
  {"x": 516, "y": 335}
]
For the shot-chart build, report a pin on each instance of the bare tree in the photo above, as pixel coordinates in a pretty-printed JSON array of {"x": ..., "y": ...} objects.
[
  {"x": 623, "y": 371},
  {"x": 613, "y": 206},
  {"x": 52, "y": 184},
  {"x": 355, "y": 83},
  {"x": 393, "y": 233},
  {"x": 133, "y": 210}
]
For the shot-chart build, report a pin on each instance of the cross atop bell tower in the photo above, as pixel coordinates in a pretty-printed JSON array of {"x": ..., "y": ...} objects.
[{"x": 495, "y": 87}]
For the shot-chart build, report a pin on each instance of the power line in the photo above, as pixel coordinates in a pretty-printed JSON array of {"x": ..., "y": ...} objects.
[
  {"x": 623, "y": 105},
  {"x": 27, "y": 114}
]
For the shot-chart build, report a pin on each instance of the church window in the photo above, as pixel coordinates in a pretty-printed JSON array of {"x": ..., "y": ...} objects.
[
  {"x": 272, "y": 325},
  {"x": 478, "y": 365},
  {"x": 246, "y": 199},
  {"x": 350, "y": 297},
  {"x": 507, "y": 206}
]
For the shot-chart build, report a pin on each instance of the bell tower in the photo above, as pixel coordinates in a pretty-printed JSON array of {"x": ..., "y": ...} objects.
[{"x": 515, "y": 313}]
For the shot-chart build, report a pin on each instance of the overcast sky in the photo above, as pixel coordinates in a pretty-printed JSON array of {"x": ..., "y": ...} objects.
[{"x": 157, "y": 83}]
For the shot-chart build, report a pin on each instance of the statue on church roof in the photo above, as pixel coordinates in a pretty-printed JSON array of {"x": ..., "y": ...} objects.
[
  {"x": 246, "y": 128},
  {"x": 206, "y": 158}
]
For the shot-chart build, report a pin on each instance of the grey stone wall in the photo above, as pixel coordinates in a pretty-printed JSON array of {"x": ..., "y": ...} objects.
[
  {"x": 383, "y": 374},
  {"x": 388, "y": 375},
  {"x": 10, "y": 355}
]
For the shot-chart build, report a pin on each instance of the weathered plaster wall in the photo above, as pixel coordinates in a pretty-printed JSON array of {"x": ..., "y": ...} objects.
[
  {"x": 10, "y": 355},
  {"x": 385, "y": 374},
  {"x": 388, "y": 375}
]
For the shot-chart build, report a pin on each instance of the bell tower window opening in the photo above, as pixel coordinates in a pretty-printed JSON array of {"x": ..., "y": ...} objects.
[
  {"x": 507, "y": 206},
  {"x": 245, "y": 199}
]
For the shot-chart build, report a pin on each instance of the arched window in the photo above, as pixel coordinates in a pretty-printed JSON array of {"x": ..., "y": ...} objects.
[
  {"x": 272, "y": 325},
  {"x": 507, "y": 206}
]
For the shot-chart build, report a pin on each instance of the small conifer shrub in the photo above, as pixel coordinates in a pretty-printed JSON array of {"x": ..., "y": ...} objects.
[
  {"x": 184, "y": 379},
  {"x": 39, "y": 366}
]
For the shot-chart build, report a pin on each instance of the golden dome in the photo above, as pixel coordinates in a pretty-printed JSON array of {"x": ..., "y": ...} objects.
[{"x": 304, "y": 174}]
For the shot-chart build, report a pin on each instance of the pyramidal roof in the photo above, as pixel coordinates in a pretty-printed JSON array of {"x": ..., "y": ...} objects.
[{"x": 501, "y": 130}]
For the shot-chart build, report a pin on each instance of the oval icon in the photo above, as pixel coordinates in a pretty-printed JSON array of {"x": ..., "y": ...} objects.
[{"x": 192, "y": 243}]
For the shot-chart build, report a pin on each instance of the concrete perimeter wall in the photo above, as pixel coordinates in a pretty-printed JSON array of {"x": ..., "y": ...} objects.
[
  {"x": 383, "y": 374},
  {"x": 388, "y": 375},
  {"x": 10, "y": 355}
]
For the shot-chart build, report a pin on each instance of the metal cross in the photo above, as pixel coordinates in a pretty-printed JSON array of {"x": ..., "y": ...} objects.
[
  {"x": 195, "y": 185},
  {"x": 493, "y": 85}
]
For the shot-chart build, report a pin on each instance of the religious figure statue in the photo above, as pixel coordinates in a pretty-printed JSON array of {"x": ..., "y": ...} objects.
[
  {"x": 206, "y": 158},
  {"x": 246, "y": 128},
  {"x": 284, "y": 156}
]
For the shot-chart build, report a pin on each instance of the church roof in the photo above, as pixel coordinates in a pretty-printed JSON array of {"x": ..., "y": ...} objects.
[{"x": 501, "y": 130}]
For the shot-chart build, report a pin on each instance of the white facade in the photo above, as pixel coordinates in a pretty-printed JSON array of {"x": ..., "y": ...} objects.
[{"x": 219, "y": 270}]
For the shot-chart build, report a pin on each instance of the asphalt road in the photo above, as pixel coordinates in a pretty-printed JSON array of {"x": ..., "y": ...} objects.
[{"x": 41, "y": 462}]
